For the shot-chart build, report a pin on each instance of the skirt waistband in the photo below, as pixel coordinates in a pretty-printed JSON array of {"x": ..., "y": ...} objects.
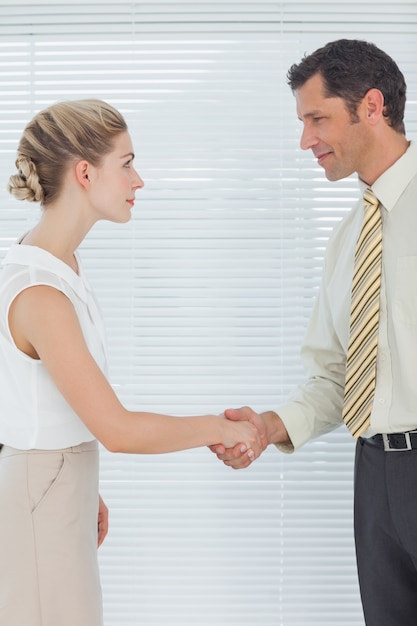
[{"x": 86, "y": 446}]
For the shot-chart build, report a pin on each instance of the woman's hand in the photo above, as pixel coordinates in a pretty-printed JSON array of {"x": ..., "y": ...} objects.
[
  {"x": 103, "y": 521},
  {"x": 270, "y": 428},
  {"x": 251, "y": 441}
]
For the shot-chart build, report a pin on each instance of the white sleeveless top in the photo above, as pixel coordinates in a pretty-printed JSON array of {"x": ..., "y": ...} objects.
[{"x": 33, "y": 413}]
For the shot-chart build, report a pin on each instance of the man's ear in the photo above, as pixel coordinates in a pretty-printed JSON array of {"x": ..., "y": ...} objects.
[
  {"x": 82, "y": 173},
  {"x": 374, "y": 105}
]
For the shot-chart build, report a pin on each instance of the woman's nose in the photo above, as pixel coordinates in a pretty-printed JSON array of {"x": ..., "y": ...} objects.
[{"x": 138, "y": 182}]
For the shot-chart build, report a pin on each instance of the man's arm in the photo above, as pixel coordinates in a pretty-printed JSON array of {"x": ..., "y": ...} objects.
[
  {"x": 270, "y": 427},
  {"x": 314, "y": 407}
]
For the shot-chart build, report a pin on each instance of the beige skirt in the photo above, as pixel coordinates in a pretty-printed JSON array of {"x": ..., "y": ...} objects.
[{"x": 48, "y": 537}]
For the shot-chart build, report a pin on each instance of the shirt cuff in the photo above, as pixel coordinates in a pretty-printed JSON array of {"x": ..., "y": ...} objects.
[{"x": 298, "y": 428}]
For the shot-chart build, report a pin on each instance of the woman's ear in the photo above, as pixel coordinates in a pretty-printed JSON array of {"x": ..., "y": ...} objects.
[{"x": 82, "y": 170}]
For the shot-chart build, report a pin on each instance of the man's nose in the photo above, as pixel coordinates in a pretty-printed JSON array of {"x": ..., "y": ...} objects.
[{"x": 308, "y": 139}]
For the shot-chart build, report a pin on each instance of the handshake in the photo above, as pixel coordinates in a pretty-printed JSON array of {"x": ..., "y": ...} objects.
[{"x": 253, "y": 431}]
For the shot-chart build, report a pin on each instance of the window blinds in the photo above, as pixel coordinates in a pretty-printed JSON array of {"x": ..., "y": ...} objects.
[{"x": 206, "y": 293}]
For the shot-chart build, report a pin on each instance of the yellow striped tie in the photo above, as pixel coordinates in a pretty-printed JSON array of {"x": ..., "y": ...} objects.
[{"x": 364, "y": 316}]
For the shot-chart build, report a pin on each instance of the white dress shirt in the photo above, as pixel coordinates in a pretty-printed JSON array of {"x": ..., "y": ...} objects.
[
  {"x": 33, "y": 412},
  {"x": 316, "y": 406}
]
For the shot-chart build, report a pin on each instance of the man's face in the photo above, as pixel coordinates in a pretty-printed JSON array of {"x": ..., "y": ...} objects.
[{"x": 338, "y": 142}]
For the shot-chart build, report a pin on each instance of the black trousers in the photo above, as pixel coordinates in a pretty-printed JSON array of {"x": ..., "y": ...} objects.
[{"x": 386, "y": 534}]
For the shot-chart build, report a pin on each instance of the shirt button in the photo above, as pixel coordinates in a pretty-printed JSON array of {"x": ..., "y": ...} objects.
[{"x": 381, "y": 400}]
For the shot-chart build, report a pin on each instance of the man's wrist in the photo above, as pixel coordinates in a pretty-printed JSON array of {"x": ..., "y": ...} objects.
[{"x": 275, "y": 429}]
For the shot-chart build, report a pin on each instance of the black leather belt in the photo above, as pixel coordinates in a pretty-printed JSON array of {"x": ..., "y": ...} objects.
[{"x": 395, "y": 442}]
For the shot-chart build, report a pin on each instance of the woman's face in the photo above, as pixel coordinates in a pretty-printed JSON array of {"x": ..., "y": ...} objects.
[{"x": 114, "y": 182}]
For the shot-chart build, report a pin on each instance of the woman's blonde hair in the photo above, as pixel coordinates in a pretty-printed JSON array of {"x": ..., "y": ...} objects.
[{"x": 57, "y": 136}]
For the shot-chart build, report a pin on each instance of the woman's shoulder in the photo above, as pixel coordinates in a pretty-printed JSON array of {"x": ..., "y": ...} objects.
[{"x": 28, "y": 265}]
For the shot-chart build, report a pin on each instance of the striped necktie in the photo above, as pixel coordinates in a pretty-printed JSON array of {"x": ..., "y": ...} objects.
[{"x": 364, "y": 316}]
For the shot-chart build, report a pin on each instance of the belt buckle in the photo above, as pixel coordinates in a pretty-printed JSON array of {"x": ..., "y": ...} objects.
[{"x": 387, "y": 447}]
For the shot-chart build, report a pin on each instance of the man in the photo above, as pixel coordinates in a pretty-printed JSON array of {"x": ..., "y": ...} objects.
[{"x": 350, "y": 98}]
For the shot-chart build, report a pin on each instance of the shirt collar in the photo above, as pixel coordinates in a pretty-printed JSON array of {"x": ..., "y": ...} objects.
[{"x": 391, "y": 184}]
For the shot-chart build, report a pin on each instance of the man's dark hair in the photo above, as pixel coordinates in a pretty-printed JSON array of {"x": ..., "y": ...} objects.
[{"x": 350, "y": 68}]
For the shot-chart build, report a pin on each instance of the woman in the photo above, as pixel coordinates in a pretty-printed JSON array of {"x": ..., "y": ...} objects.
[{"x": 76, "y": 159}]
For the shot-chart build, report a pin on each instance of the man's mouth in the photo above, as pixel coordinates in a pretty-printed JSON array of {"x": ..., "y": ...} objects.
[{"x": 322, "y": 157}]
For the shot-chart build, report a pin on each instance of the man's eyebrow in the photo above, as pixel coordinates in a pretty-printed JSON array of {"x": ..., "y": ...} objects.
[{"x": 314, "y": 113}]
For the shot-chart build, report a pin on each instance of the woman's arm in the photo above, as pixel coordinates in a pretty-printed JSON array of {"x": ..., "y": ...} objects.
[{"x": 44, "y": 325}]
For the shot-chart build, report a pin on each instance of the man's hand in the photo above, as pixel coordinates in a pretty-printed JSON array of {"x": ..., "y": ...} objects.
[
  {"x": 239, "y": 457},
  {"x": 103, "y": 521},
  {"x": 271, "y": 430}
]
